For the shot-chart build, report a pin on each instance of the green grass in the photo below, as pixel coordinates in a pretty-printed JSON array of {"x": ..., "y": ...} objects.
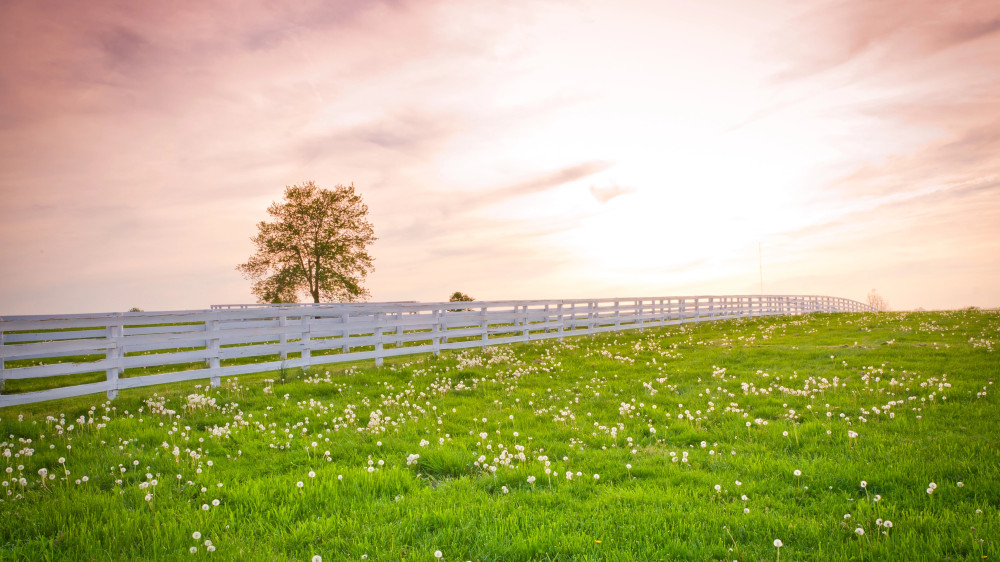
[{"x": 740, "y": 405}]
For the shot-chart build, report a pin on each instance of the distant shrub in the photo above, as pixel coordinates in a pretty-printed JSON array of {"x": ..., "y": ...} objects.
[{"x": 877, "y": 301}]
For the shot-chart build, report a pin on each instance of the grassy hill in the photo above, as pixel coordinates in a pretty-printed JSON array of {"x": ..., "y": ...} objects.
[{"x": 841, "y": 436}]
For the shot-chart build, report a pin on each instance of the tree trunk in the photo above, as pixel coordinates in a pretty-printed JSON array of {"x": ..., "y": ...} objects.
[{"x": 315, "y": 295}]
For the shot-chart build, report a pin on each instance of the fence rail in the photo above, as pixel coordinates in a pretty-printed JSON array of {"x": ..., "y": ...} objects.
[{"x": 238, "y": 339}]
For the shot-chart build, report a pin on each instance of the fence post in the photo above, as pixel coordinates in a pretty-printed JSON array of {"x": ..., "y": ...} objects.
[
  {"x": 215, "y": 362},
  {"x": 114, "y": 353},
  {"x": 618, "y": 317},
  {"x": 484, "y": 326},
  {"x": 436, "y": 332},
  {"x": 283, "y": 339},
  {"x": 562, "y": 327},
  {"x": 399, "y": 329},
  {"x": 524, "y": 322},
  {"x": 305, "y": 341},
  {"x": 344, "y": 333},
  {"x": 3, "y": 372},
  {"x": 638, "y": 315},
  {"x": 378, "y": 339}
]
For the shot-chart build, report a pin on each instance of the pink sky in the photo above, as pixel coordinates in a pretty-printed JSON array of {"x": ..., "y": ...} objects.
[{"x": 508, "y": 150}]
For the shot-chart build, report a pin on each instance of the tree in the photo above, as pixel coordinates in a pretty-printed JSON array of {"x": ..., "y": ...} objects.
[
  {"x": 316, "y": 244},
  {"x": 877, "y": 301},
  {"x": 459, "y": 296}
]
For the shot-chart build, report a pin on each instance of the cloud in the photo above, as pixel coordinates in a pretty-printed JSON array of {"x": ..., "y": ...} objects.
[
  {"x": 887, "y": 32},
  {"x": 605, "y": 194}
]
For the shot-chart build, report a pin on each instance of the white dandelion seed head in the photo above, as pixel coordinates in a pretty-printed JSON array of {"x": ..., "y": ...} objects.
[{"x": 778, "y": 543}]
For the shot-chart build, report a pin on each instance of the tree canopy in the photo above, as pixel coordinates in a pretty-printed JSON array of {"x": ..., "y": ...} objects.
[
  {"x": 459, "y": 296},
  {"x": 316, "y": 244}
]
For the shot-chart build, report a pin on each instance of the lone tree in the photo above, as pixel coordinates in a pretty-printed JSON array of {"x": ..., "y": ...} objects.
[
  {"x": 316, "y": 244},
  {"x": 459, "y": 296}
]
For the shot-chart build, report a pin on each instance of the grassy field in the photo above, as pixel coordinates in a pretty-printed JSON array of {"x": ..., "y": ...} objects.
[{"x": 865, "y": 437}]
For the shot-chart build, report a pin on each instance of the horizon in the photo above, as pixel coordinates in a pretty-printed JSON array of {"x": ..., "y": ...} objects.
[{"x": 530, "y": 150}]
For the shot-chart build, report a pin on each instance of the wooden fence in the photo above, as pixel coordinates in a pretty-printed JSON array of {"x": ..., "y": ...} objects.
[{"x": 120, "y": 349}]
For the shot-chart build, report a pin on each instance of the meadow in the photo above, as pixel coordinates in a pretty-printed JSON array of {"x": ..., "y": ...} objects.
[{"x": 818, "y": 437}]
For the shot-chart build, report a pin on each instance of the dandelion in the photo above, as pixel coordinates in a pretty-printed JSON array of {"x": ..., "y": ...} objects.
[
  {"x": 215, "y": 503},
  {"x": 864, "y": 484},
  {"x": 437, "y": 554},
  {"x": 746, "y": 510},
  {"x": 859, "y": 531},
  {"x": 531, "y": 480},
  {"x": 597, "y": 477},
  {"x": 932, "y": 486},
  {"x": 778, "y": 543},
  {"x": 204, "y": 507},
  {"x": 196, "y": 535},
  {"x": 317, "y": 558},
  {"x": 959, "y": 484},
  {"x": 193, "y": 550},
  {"x": 797, "y": 472},
  {"x": 887, "y": 524},
  {"x": 312, "y": 474}
]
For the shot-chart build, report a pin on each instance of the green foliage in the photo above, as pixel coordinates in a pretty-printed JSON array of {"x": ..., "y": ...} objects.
[
  {"x": 398, "y": 462},
  {"x": 459, "y": 296},
  {"x": 315, "y": 245}
]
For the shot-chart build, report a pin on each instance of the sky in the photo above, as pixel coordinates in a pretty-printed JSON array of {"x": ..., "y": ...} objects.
[{"x": 509, "y": 150}]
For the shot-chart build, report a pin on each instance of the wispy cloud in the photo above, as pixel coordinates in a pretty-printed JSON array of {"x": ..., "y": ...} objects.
[{"x": 607, "y": 193}]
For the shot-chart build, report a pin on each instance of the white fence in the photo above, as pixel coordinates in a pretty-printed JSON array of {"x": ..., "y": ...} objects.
[{"x": 119, "y": 350}]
